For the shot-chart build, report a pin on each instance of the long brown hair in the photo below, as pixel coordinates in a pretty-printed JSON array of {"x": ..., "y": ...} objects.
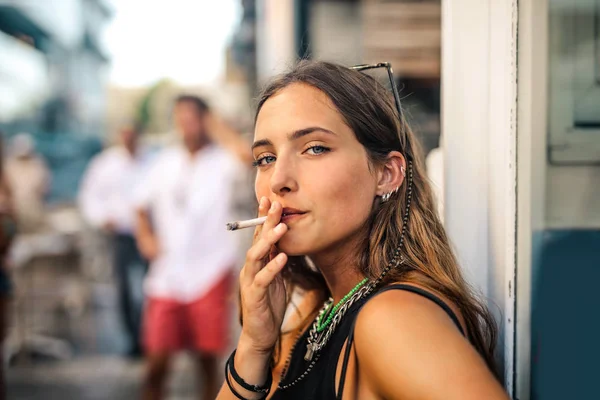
[{"x": 368, "y": 109}]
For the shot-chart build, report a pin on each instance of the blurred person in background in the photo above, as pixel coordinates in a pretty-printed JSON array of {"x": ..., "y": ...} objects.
[
  {"x": 183, "y": 206},
  {"x": 106, "y": 203},
  {"x": 7, "y": 234},
  {"x": 29, "y": 179}
]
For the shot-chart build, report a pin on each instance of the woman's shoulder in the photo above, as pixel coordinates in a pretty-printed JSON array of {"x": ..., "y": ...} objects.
[
  {"x": 401, "y": 317},
  {"x": 403, "y": 323},
  {"x": 402, "y": 302},
  {"x": 404, "y": 339}
]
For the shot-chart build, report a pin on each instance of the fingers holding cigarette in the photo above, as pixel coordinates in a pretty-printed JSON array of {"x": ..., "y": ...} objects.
[
  {"x": 249, "y": 223},
  {"x": 265, "y": 237}
]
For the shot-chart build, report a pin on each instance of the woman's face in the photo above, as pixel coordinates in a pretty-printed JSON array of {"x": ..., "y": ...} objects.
[{"x": 310, "y": 161}]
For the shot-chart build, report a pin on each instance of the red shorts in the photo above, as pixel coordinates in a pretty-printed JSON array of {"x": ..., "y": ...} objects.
[{"x": 202, "y": 325}]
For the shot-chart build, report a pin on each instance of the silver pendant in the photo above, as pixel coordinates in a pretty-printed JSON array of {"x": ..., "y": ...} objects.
[{"x": 310, "y": 351}]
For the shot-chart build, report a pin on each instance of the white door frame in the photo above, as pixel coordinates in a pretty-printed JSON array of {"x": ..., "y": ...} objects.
[
  {"x": 479, "y": 116},
  {"x": 531, "y": 170}
]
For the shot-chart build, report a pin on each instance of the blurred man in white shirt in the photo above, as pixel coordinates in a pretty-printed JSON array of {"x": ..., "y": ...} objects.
[
  {"x": 183, "y": 206},
  {"x": 106, "y": 202}
]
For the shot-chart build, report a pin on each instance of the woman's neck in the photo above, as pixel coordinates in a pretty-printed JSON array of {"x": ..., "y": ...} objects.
[{"x": 340, "y": 269}]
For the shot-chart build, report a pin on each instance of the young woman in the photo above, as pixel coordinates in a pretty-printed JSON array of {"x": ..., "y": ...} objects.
[{"x": 385, "y": 311}]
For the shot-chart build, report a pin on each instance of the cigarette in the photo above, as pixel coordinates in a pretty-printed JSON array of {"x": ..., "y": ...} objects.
[{"x": 232, "y": 226}]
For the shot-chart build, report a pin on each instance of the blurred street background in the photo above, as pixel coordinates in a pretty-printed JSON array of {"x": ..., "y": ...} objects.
[{"x": 75, "y": 73}]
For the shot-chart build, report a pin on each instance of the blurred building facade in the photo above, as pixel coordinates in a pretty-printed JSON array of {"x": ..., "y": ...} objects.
[
  {"x": 59, "y": 45},
  {"x": 53, "y": 78},
  {"x": 273, "y": 34}
]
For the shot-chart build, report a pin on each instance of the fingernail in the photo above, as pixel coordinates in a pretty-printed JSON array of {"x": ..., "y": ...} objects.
[
  {"x": 262, "y": 202},
  {"x": 274, "y": 205},
  {"x": 280, "y": 257},
  {"x": 279, "y": 228}
]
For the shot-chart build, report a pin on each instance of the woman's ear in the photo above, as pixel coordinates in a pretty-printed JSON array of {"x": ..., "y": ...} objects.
[{"x": 392, "y": 173}]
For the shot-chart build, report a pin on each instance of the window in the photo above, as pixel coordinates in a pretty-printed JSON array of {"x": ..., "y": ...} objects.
[{"x": 574, "y": 55}]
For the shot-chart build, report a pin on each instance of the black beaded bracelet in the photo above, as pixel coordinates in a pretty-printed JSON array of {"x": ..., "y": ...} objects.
[
  {"x": 263, "y": 389},
  {"x": 231, "y": 388}
]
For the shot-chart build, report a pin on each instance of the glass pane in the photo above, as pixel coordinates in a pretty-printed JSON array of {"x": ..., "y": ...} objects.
[{"x": 574, "y": 49}]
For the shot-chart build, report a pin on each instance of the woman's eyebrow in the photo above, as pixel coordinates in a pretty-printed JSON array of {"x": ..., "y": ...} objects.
[
  {"x": 306, "y": 131},
  {"x": 260, "y": 143},
  {"x": 293, "y": 136}
]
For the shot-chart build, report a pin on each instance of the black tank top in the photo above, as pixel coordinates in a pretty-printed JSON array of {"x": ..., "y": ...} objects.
[{"x": 319, "y": 383}]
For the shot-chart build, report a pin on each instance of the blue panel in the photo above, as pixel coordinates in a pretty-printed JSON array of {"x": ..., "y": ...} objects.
[{"x": 566, "y": 316}]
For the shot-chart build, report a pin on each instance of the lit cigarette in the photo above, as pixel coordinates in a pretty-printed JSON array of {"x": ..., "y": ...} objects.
[{"x": 232, "y": 226}]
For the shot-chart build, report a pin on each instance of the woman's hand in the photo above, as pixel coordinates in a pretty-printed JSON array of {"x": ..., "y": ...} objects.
[{"x": 263, "y": 295}]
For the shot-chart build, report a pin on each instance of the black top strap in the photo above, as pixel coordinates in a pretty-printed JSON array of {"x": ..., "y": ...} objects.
[
  {"x": 430, "y": 296},
  {"x": 408, "y": 288}
]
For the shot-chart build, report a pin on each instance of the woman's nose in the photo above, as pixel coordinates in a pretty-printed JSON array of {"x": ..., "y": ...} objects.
[{"x": 283, "y": 179}]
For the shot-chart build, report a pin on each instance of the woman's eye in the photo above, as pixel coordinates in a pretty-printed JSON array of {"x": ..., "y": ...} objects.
[
  {"x": 316, "y": 150},
  {"x": 262, "y": 161}
]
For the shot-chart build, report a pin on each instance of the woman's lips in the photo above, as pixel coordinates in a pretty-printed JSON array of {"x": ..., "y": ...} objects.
[
  {"x": 286, "y": 219},
  {"x": 289, "y": 215}
]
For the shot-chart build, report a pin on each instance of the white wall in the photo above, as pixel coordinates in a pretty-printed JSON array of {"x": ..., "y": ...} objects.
[{"x": 479, "y": 129}]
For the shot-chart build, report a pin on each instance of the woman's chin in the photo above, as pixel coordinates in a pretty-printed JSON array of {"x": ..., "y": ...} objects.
[{"x": 293, "y": 247}]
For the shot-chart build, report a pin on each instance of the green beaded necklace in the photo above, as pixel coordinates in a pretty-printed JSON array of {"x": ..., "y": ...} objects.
[{"x": 330, "y": 312}]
